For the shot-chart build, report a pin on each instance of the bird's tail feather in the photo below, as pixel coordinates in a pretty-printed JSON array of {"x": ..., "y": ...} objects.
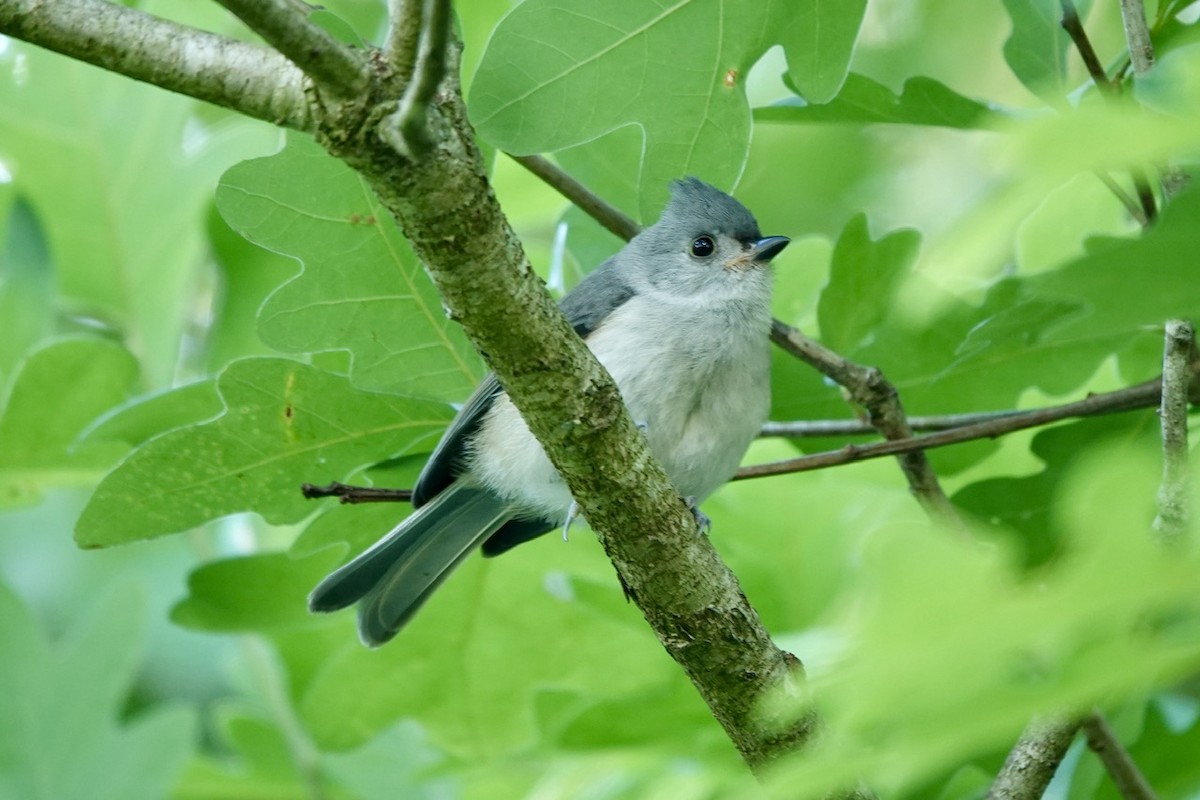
[{"x": 396, "y": 575}]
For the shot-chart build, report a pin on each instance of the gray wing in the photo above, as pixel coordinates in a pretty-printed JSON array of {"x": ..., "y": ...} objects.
[{"x": 585, "y": 307}]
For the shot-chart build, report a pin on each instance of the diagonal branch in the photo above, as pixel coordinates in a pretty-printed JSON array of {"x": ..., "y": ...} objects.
[
  {"x": 613, "y": 219},
  {"x": 1119, "y": 764},
  {"x": 247, "y": 78},
  {"x": 407, "y": 130},
  {"x": 332, "y": 65},
  {"x": 869, "y": 389},
  {"x": 1034, "y": 759}
]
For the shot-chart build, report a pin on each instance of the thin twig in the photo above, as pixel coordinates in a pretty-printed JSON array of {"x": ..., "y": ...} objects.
[
  {"x": 868, "y": 388},
  {"x": 1137, "y": 35},
  {"x": 809, "y": 429},
  {"x": 1034, "y": 759},
  {"x": 254, "y": 80},
  {"x": 1102, "y": 739},
  {"x": 352, "y": 495},
  {"x": 1142, "y": 395},
  {"x": 332, "y": 65},
  {"x": 1109, "y": 89},
  {"x": 1074, "y": 29},
  {"x": 404, "y": 35},
  {"x": 1178, "y": 352},
  {"x": 1132, "y": 205},
  {"x": 407, "y": 130},
  {"x": 609, "y": 216}
]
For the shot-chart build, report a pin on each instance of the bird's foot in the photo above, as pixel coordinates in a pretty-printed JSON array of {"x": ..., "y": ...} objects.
[
  {"x": 572, "y": 513},
  {"x": 702, "y": 520}
]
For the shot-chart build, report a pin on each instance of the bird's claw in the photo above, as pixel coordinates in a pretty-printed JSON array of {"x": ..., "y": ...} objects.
[
  {"x": 572, "y": 513},
  {"x": 702, "y": 520}
]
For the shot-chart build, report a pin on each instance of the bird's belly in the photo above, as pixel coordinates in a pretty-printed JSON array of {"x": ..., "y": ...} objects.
[{"x": 702, "y": 399}]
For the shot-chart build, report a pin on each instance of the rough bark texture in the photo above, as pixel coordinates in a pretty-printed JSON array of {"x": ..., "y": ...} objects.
[
  {"x": 446, "y": 208},
  {"x": 1033, "y": 760},
  {"x": 691, "y": 599}
]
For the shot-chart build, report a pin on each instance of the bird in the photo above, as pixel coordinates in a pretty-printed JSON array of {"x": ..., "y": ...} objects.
[{"x": 680, "y": 317}]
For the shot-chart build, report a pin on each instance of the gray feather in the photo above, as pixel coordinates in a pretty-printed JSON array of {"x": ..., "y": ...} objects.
[
  {"x": 421, "y": 553},
  {"x": 395, "y": 575}
]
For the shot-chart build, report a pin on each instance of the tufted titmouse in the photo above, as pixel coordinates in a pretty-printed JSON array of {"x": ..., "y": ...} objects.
[{"x": 680, "y": 318}]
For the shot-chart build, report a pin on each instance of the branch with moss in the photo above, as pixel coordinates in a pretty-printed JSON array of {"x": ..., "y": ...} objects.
[
  {"x": 447, "y": 211},
  {"x": 247, "y": 78}
]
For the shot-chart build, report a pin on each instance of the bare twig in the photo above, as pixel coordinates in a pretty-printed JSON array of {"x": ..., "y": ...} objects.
[
  {"x": 1074, "y": 29},
  {"x": 407, "y": 130},
  {"x": 809, "y": 429},
  {"x": 332, "y": 65},
  {"x": 609, "y": 216},
  {"x": 1142, "y": 395},
  {"x": 1137, "y": 35},
  {"x": 1034, "y": 759},
  {"x": 868, "y": 388},
  {"x": 352, "y": 495},
  {"x": 1178, "y": 353},
  {"x": 1109, "y": 89},
  {"x": 248, "y": 78},
  {"x": 1102, "y": 739},
  {"x": 1132, "y": 205},
  {"x": 404, "y": 35}
]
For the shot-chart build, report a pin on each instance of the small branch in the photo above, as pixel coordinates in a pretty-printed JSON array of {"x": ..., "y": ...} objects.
[
  {"x": 868, "y": 388},
  {"x": 1116, "y": 759},
  {"x": 352, "y": 495},
  {"x": 407, "y": 130},
  {"x": 810, "y": 429},
  {"x": 404, "y": 35},
  {"x": 1132, "y": 205},
  {"x": 332, "y": 65},
  {"x": 1178, "y": 353},
  {"x": 1035, "y": 757},
  {"x": 247, "y": 78},
  {"x": 1137, "y": 35},
  {"x": 1142, "y": 395},
  {"x": 1109, "y": 89},
  {"x": 1074, "y": 29},
  {"x": 609, "y": 216}
]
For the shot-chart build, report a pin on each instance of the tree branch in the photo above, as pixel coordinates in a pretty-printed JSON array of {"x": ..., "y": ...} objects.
[
  {"x": 247, "y": 78},
  {"x": 613, "y": 219},
  {"x": 448, "y": 213},
  {"x": 407, "y": 130},
  {"x": 1142, "y": 395},
  {"x": 1034, "y": 759},
  {"x": 1137, "y": 35},
  {"x": 1178, "y": 354},
  {"x": 332, "y": 65},
  {"x": 1109, "y": 89},
  {"x": 404, "y": 35},
  {"x": 1103, "y": 741},
  {"x": 873, "y": 392}
]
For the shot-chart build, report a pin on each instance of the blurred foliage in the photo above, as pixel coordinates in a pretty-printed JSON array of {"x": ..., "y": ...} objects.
[{"x": 200, "y": 315}]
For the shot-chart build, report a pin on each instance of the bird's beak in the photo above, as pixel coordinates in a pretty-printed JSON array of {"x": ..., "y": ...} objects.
[{"x": 768, "y": 247}]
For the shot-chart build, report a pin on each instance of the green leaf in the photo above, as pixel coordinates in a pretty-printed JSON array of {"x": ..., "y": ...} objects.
[
  {"x": 863, "y": 278},
  {"x": 26, "y": 285},
  {"x": 482, "y": 649},
  {"x": 284, "y": 422},
  {"x": 559, "y": 73},
  {"x": 261, "y": 592},
  {"x": 1036, "y": 50},
  {"x": 145, "y": 417},
  {"x": 922, "y": 101},
  {"x": 55, "y": 394},
  {"x": 361, "y": 290},
  {"x": 264, "y": 766},
  {"x": 61, "y": 736},
  {"x": 103, "y": 162}
]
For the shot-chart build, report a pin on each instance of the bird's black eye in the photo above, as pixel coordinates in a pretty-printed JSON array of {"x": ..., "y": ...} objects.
[{"x": 703, "y": 246}]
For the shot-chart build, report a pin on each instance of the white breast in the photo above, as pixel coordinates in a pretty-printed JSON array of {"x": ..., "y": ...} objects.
[{"x": 697, "y": 376}]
